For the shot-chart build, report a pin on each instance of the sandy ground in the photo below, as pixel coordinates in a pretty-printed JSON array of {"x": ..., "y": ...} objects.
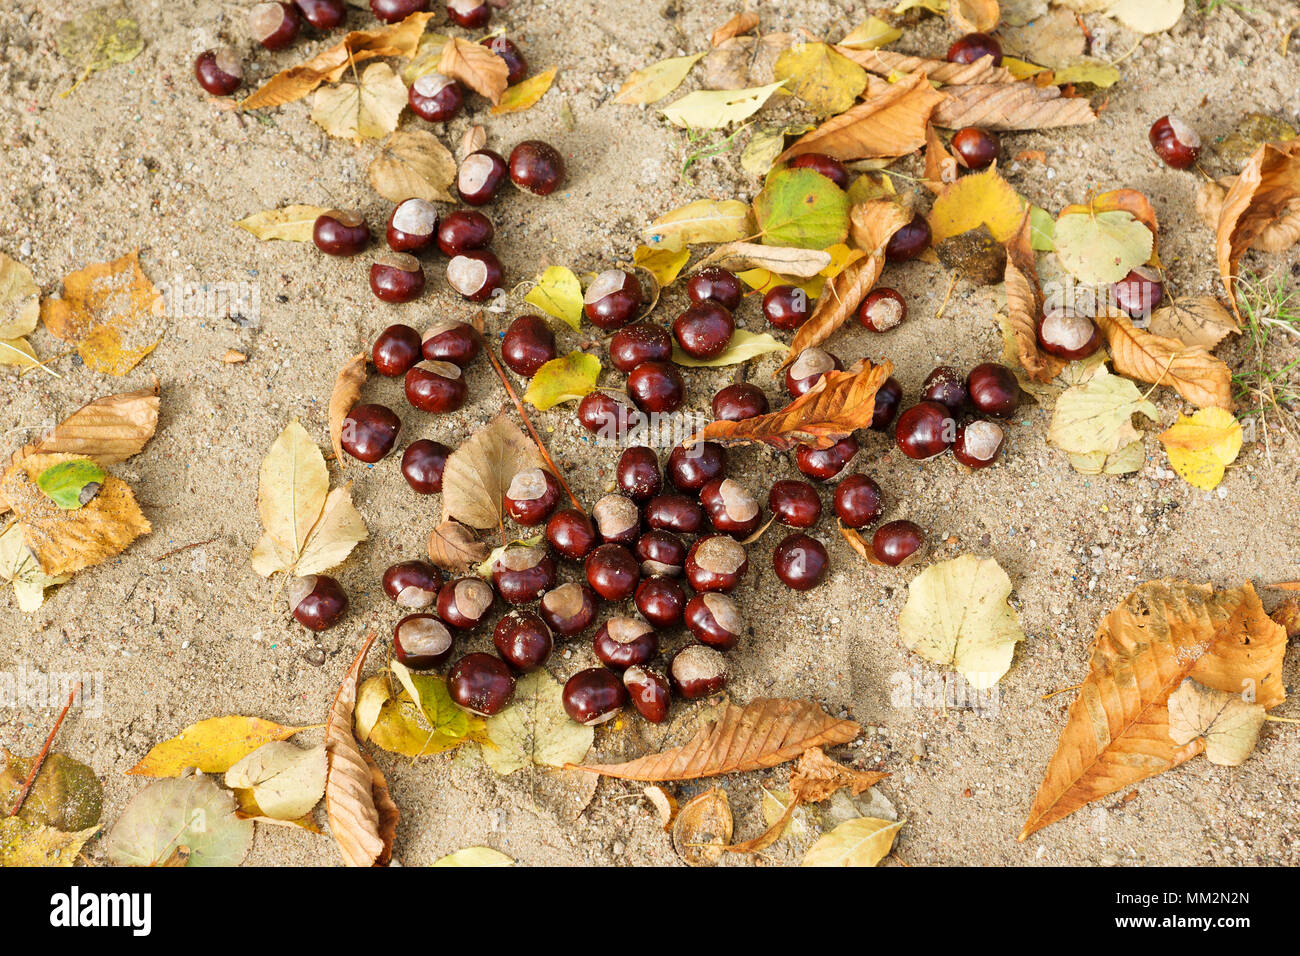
[{"x": 138, "y": 158}]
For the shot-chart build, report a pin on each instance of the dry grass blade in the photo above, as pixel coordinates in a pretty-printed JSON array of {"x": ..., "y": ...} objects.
[
  {"x": 347, "y": 389},
  {"x": 764, "y": 733},
  {"x": 839, "y": 404},
  {"x": 888, "y": 63},
  {"x": 1198, "y": 376},
  {"x": 1025, "y": 306},
  {"x": 1011, "y": 106}
]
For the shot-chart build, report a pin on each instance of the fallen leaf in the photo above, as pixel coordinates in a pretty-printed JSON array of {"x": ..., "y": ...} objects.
[
  {"x": 478, "y": 473},
  {"x": 454, "y": 547},
  {"x": 428, "y": 53},
  {"x": 289, "y": 223},
  {"x": 524, "y": 94},
  {"x": 957, "y": 614},
  {"x": 665, "y": 804},
  {"x": 564, "y": 379},
  {"x": 1147, "y": 16},
  {"x": 656, "y": 81},
  {"x": 1101, "y": 248},
  {"x": 18, "y": 566},
  {"x": 20, "y": 299},
  {"x": 889, "y": 124},
  {"x": 703, "y": 828},
  {"x": 413, "y": 164},
  {"x": 664, "y": 264},
  {"x": 976, "y": 199},
  {"x": 1278, "y": 235},
  {"x": 765, "y": 145},
  {"x": 336, "y": 532},
  {"x": 475, "y": 66},
  {"x": 1266, "y": 189},
  {"x": 558, "y": 293},
  {"x": 65, "y": 794},
  {"x": 347, "y": 391},
  {"x": 1097, "y": 416},
  {"x": 827, "y": 81},
  {"x": 535, "y": 730},
  {"x": 1025, "y": 307},
  {"x": 714, "y": 109},
  {"x": 109, "y": 429},
  {"x": 98, "y": 39},
  {"x": 71, "y": 484},
  {"x": 742, "y": 22},
  {"x": 34, "y": 844},
  {"x": 1085, "y": 70},
  {"x": 1126, "y": 460},
  {"x": 110, "y": 311},
  {"x": 18, "y": 353},
  {"x": 191, "y": 812},
  {"x": 743, "y": 62},
  {"x": 1202, "y": 446},
  {"x": 888, "y": 63},
  {"x": 801, "y": 208},
  {"x": 743, "y": 346},
  {"x": 1250, "y": 133},
  {"x": 861, "y": 842},
  {"x": 764, "y": 733},
  {"x": 1198, "y": 321},
  {"x": 211, "y": 746},
  {"x": 1194, "y": 373},
  {"x": 941, "y": 167},
  {"x": 1051, "y": 38},
  {"x": 1010, "y": 106},
  {"x": 475, "y": 856},
  {"x": 786, "y": 261},
  {"x": 367, "y": 109},
  {"x": 974, "y": 16},
  {"x": 286, "y": 781},
  {"x": 1229, "y": 724},
  {"x": 871, "y": 34},
  {"x": 702, "y": 221}
]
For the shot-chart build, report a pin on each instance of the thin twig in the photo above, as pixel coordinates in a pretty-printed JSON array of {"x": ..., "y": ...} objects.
[
  {"x": 1061, "y": 691},
  {"x": 184, "y": 547},
  {"x": 40, "y": 757}
]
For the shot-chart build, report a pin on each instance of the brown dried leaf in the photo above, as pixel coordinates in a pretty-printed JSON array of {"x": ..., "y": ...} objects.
[
  {"x": 1266, "y": 190},
  {"x": 665, "y": 804},
  {"x": 888, "y": 124},
  {"x": 389, "y": 815},
  {"x": 703, "y": 828},
  {"x": 744, "y": 62},
  {"x": 1010, "y": 106},
  {"x": 109, "y": 429},
  {"x": 1193, "y": 372},
  {"x": 347, "y": 389},
  {"x": 399, "y": 39},
  {"x": 1277, "y": 236},
  {"x": 351, "y": 786},
  {"x": 1287, "y": 615},
  {"x": 860, "y": 545},
  {"x": 476, "y": 66},
  {"x": 1118, "y": 728},
  {"x": 941, "y": 167},
  {"x": 740, "y": 23},
  {"x": 413, "y": 164},
  {"x": 1025, "y": 306},
  {"x": 972, "y": 16},
  {"x": 889, "y": 63},
  {"x": 1200, "y": 321},
  {"x": 816, "y": 777},
  {"x": 454, "y": 547},
  {"x": 480, "y": 470},
  {"x": 763, "y": 733}
]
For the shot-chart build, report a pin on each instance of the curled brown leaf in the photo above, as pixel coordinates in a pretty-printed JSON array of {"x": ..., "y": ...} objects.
[
  {"x": 1011, "y": 106},
  {"x": 941, "y": 167},
  {"x": 454, "y": 547},
  {"x": 890, "y": 63},
  {"x": 347, "y": 389},
  {"x": 1193, "y": 372},
  {"x": 1025, "y": 306},
  {"x": 1266, "y": 191},
  {"x": 741, "y": 23}
]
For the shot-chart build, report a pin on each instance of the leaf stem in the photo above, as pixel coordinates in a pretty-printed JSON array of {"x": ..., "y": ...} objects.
[{"x": 40, "y": 757}]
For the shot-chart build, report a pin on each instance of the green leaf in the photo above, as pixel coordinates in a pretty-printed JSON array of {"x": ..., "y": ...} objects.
[
  {"x": 714, "y": 109},
  {"x": 429, "y": 693},
  {"x": 558, "y": 293},
  {"x": 564, "y": 379},
  {"x": 1041, "y": 229},
  {"x": 742, "y": 347},
  {"x": 71, "y": 484},
  {"x": 1101, "y": 247},
  {"x": 192, "y": 812},
  {"x": 799, "y": 207}
]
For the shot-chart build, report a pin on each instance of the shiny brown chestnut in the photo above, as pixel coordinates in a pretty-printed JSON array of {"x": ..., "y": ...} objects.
[
  {"x": 824, "y": 464},
  {"x": 523, "y": 573},
  {"x": 396, "y": 350},
  {"x": 423, "y": 463},
  {"x": 464, "y": 603},
  {"x": 676, "y": 513},
  {"x": 481, "y": 684},
  {"x": 531, "y": 497},
  {"x": 704, "y": 330},
  {"x": 369, "y": 432},
  {"x": 623, "y": 642},
  {"x": 422, "y": 642},
  {"x": 391, "y": 11},
  {"x": 317, "y": 601},
  {"x": 322, "y": 14},
  {"x": 716, "y": 563},
  {"x": 593, "y": 696},
  {"x": 1175, "y": 141},
  {"x": 571, "y": 534},
  {"x": 800, "y": 561},
  {"x": 657, "y": 387},
  {"x": 450, "y": 341},
  {"x": 608, "y": 416},
  {"x": 993, "y": 389},
  {"x": 697, "y": 671},
  {"x": 464, "y": 231},
  {"x": 437, "y": 387},
  {"x": 795, "y": 504},
  {"x": 640, "y": 342},
  {"x": 516, "y": 64},
  {"x": 660, "y": 600},
  {"x": 413, "y": 584},
  {"x": 661, "y": 553},
  {"x": 786, "y": 307},
  {"x": 738, "y": 402},
  {"x": 1067, "y": 335},
  {"x": 714, "y": 619},
  {"x": 947, "y": 386},
  {"x": 827, "y": 166},
  {"x": 717, "y": 285},
  {"x": 527, "y": 345},
  {"x": 1139, "y": 292},
  {"x": 274, "y": 25},
  {"x": 470, "y": 14},
  {"x": 807, "y": 370},
  {"x": 613, "y": 299},
  {"x": 523, "y": 640},
  {"x": 690, "y": 468},
  {"x": 412, "y": 226},
  {"x": 925, "y": 430},
  {"x": 340, "y": 232},
  {"x": 730, "y": 507},
  {"x": 858, "y": 501},
  {"x": 536, "y": 167},
  {"x": 568, "y": 609},
  {"x": 910, "y": 241},
  {"x": 975, "y": 148},
  {"x": 396, "y": 277},
  {"x": 612, "y": 572},
  {"x": 883, "y": 309},
  {"x": 974, "y": 46},
  {"x": 888, "y": 397},
  {"x": 480, "y": 177},
  {"x": 436, "y": 98},
  {"x": 650, "y": 693},
  {"x": 637, "y": 473},
  {"x": 219, "y": 71},
  {"x": 476, "y": 274},
  {"x": 898, "y": 542},
  {"x": 617, "y": 519},
  {"x": 978, "y": 443}
]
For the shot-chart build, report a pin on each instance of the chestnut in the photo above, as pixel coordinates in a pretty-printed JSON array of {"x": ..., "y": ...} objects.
[
  {"x": 657, "y": 387},
  {"x": 608, "y": 416},
  {"x": 676, "y": 513},
  {"x": 436, "y": 98},
  {"x": 612, "y": 572},
  {"x": 369, "y": 432},
  {"x": 698, "y": 671},
  {"x": 1175, "y": 141},
  {"x": 274, "y": 25},
  {"x": 714, "y": 619},
  {"x": 613, "y": 299},
  {"x": 716, "y": 563},
  {"x": 523, "y": 573},
  {"x": 413, "y": 584},
  {"x": 464, "y": 603},
  {"x": 516, "y": 64},
  {"x": 975, "y": 148},
  {"x": 637, "y": 473},
  {"x": 978, "y": 443},
  {"x": 828, "y": 166},
  {"x": 910, "y": 241},
  {"x": 413, "y": 225},
  {"x": 450, "y": 341},
  {"x": 898, "y": 542},
  {"x": 570, "y": 533},
  {"x": 617, "y": 519},
  {"x": 730, "y": 507},
  {"x": 423, "y": 463},
  {"x": 795, "y": 504},
  {"x": 476, "y": 274},
  {"x": 661, "y": 601},
  {"x": 480, "y": 177},
  {"x": 888, "y": 397},
  {"x": 786, "y": 307},
  {"x": 974, "y": 46},
  {"x": 715, "y": 285},
  {"x": 807, "y": 370},
  {"x": 340, "y": 232},
  {"x": 527, "y": 345},
  {"x": 523, "y": 640},
  {"x": 437, "y": 387},
  {"x": 858, "y": 501},
  {"x": 1067, "y": 335},
  {"x": 661, "y": 553},
  {"x": 824, "y": 464},
  {"x": 690, "y": 468},
  {"x": 470, "y": 14},
  {"x": 649, "y": 692},
  {"x": 396, "y": 277},
  {"x": 1139, "y": 292},
  {"x": 800, "y": 561},
  {"x": 947, "y": 386},
  {"x": 925, "y": 430},
  {"x": 568, "y": 609},
  {"x": 531, "y": 497},
  {"x": 481, "y": 684},
  {"x": 637, "y": 343},
  {"x": 740, "y": 401},
  {"x": 219, "y": 71},
  {"x": 536, "y": 167},
  {"x": 391, "y": 11},
  {"x": 704, "y": 330},
  {"x": 396, "y": 350},
  {"x": 883, "y": 309},
  {"x": 593, "y": 696},
  {"x": 317, "y": 601},
  {"x": 623, "y": 642},
  {"x": 322, "y": 14},
  {"x": 464, "y": 231},
  {"x": 993, "y": 389},
  {"x": 422, "y": 642}
]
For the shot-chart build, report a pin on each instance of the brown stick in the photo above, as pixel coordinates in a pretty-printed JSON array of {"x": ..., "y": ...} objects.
[{"x": 40, "y": 757}]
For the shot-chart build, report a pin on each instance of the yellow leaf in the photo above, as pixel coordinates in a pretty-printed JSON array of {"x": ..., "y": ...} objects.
[
  {"x": 212, "y": 746},
  {"x": 292, "y": 486},
  {"x": 703, "y": 221},
  {"x": 1021, "y": 69},
  {"x": 110, "y": 311},
  {"x": 864, "y": 841},
  {"x": 656, "y": 81},
  {"x": 475, "y": 856},
  {"x": 290, "y": 223},
  {"x": 974, "y": 200},
  {"x": 413, "y": 163},
  {"x": 871, "y": 34},
  {"x": 19, "y": 300},
  {"x": 827, "y": 81},
  {"x": 1084, "y": 69},
  {"x": 18, "y": 352},
  {"x": 1200, "y": 447},
  {"x": 713, "y": 109},
  {"x": 524, "y": 94},
  {"x": 664, "y": 264},
  {"x": 743, "y": 346},
  {"x": 367, "y": 110},
  {"x": 558, "y": 293},
  {"x": 562, "y": 380},
  {"x": 33, "y": 844}
]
